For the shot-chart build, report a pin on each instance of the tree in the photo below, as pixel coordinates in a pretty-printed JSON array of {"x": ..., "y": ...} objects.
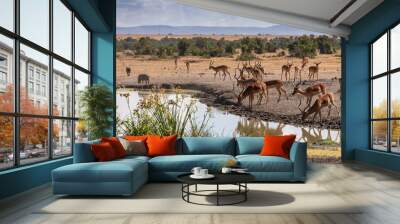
[
  {"x": 304, "y": 46},
  {"x": 327, "y": 45},
  {"x": 33, "y": 131},
  {"x": 183, "y": 45}
]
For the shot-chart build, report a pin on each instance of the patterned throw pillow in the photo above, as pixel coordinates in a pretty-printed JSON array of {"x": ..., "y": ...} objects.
[{"x": 134, "y": 147}]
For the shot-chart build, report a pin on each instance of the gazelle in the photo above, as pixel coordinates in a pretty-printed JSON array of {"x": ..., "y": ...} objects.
[
  {"x": 241, "y": 73},
  {"x": 128, "y": 71},
  {"x": 313, "y": 71},
  {"x": 218, "y": 69},
  {"x": 176, "y": 62},
  {"x": 286, "y": 70},
  {"x": 244, "y": 83},
  {"x": 309, "y": 92},
  {"x": 250, "y": 91},
  {"x": 278, "y": 85},
  {"x": 326, "y": 100},
  {"x": 187, "y": 66},
  {"x": 299, "y": 69}
]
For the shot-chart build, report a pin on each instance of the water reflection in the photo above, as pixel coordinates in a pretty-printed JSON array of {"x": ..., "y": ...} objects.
[
  {"x": 253, "y": 127},
  {"x": 226, "y": 124}
]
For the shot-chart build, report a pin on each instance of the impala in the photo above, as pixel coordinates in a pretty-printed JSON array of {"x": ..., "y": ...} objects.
[
  {"x": 326, "y": 100},
  {"x": 219, "y": 69},
  {"x": 313, "y": 71},
  {"x": 278, "y": 85},
  {"x": 309, "y": 92},
  {"x": 286, "y": 70},
  {"x": 250, "y": 91},
  {"x": 298, "y": 70}
]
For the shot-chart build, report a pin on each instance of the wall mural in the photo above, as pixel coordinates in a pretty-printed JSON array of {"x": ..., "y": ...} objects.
[{"x": 193, "y": 72}]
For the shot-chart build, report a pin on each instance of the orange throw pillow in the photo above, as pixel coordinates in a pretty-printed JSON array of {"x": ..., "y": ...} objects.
[
  {"x": 136, "y": 138},
  {"x": 103, "y": 152},
  {"x": 116, "y": 145},
  {"x": 277, "y": 145},
  {"x": 161, "y": 145}
]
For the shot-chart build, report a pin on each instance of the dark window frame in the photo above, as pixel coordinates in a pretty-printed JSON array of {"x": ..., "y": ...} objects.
[
  {"x": 388, "y": 74},
  {"x": 16, "y": 114}
]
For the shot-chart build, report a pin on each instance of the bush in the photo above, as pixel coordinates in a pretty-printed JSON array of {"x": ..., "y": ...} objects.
[
  {"x": 246, "y": 57},
  {"x": 209, "y": 47},
  {"x": 97, "y": 104},
  {"x": 158, "y": 115}
]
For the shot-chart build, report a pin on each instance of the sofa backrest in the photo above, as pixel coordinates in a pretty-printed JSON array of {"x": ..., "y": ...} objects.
[
  {"x": 249, "y": 145},
  {"x": 83, "y": 152},
  {"x": 206, "y": 145}
]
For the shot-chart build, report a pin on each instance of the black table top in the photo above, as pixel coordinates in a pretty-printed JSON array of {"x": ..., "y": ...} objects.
[{"x": 220, "y": 178}]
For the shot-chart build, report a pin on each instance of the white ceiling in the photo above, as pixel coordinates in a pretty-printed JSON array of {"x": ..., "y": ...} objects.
[{"x": 313, "y": 15}]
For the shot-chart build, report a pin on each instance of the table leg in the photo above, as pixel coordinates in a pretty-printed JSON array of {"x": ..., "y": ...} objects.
[
  {"x": 245, "y": 193},
  {"x": 188, "y": 190},
  {"x": 217, "y": 194},
  {"x": 196, "y": 187}
]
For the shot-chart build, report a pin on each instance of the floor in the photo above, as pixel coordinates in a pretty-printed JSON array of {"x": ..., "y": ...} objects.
[{"x": 379, "y": 189}]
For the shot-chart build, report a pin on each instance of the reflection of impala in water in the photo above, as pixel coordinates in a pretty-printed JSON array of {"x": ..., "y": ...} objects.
[
  {"x": 314, "y": 136},
  {"x": 252, "y": 127}
]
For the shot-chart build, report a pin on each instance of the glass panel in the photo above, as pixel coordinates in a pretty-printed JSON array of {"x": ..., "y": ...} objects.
[
  {"x": 34, "y": 97},
  {"x": 81, "y": 82},
  {"x": 33, "y": 139},
  {"x": 7, "y": 14},
  {"x": 395, "y": 136},
  {"x": 379, "y": 55},
  {"x": 395, "y": 47},
  {"x": 379, "y": 135},
  {"x": 35, "y": 21},
  {"x": 379, "y": 97},
  {"x": 62, "y": 138},
  {"x": 81, "y": 45},
  {"x": 6, "y": 142},
  {"x": 395, "y": 94},
  {"x": 81, "y": 131},
  {"x": 62, "y": 29},
  {"x": 6, "y": 74},
  {"x": 62, "y": 89}
]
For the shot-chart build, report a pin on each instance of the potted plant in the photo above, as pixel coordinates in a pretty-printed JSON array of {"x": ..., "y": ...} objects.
[{"x": 97, "y": 105}]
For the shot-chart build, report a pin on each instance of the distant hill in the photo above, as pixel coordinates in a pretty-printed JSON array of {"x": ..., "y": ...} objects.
[{"x": 208, "y": 30}]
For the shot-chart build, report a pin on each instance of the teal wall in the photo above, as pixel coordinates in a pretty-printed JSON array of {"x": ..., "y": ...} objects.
[
  {"x": 355, "y": 86},
  {"x": 100, "y": 16},
  {"x": 24, "y": 178}
]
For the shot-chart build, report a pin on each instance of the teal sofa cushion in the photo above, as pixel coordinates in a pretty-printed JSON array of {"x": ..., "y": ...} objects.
[
  {"x": 249, "y": 145},
  {"x": 112, "y": 171},
  {"x": 185, "y": 163},
  {"x": 257, "y": 163},
  {"x": 206, "y": 145}
]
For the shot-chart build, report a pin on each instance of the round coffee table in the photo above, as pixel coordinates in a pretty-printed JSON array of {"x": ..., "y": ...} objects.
[{"x": 238, "y": 179}]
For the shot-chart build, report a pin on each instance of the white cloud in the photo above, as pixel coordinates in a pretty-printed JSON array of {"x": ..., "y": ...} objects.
[{"x": 168, "y": 12}]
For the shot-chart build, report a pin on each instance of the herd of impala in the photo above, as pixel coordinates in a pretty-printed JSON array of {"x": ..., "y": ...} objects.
[{"x": 249, "y": 80}]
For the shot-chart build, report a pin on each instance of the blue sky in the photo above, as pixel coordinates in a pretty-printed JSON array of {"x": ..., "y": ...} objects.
[{"x": 168, "y": 12}]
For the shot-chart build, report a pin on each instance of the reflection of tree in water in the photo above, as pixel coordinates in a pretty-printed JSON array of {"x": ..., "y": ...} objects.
[
  {"x": 314, "y": 136},
  {"x": 253, "y": 127}
]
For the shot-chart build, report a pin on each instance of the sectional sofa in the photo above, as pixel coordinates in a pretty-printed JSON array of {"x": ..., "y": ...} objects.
[{"x": 125, "y": 176}]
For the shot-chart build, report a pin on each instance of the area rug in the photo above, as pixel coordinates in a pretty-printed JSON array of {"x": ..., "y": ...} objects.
[{"x": 166, "y": 198}]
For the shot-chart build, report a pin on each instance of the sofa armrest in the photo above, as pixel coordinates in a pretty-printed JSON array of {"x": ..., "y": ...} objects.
[
  {"x": 298, "y": 155},
  {"x": 83, "y": 152}
]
